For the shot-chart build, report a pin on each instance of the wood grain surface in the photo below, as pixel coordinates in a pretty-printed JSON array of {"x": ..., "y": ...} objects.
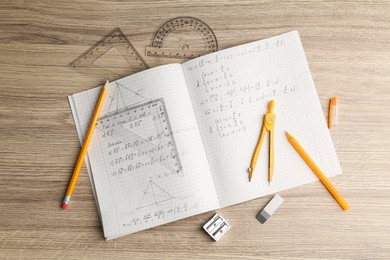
[{"x": 347, "y": 44}]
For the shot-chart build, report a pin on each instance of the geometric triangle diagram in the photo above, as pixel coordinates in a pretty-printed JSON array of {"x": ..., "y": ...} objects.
[
  {"x": 153, "y": 195},
  {"x": 123, "y": 97},
  {"x": 182, "y": 38},
  {"x": 143, "y": 134},
  {"x": 112, "y": 56}
]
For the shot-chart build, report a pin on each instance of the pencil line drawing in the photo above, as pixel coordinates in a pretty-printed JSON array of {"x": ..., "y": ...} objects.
[
  {"x": 123, "y": 97},
  {"x": 154, "y": 195}
]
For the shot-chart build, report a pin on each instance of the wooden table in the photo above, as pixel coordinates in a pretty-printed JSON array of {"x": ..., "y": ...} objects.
[{"x": 348, "y": 48}]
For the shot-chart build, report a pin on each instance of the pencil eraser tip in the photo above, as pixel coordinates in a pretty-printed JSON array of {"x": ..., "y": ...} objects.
[{"x": 64, "y": 206}]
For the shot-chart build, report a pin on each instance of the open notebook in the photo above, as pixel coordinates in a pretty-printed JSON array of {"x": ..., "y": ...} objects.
[{"x": 177, "y": 140}]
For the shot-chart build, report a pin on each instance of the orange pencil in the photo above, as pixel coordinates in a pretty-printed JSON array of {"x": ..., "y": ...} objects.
[
  {"x": 317, "y": 171},
  {"x": 84, "y": 148}
]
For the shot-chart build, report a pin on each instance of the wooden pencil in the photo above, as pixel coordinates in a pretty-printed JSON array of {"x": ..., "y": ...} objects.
[{"x": 84, "y": 148}]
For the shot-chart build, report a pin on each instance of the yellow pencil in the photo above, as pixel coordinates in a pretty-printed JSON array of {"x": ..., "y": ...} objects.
[
  {"x": 85, "y": 146},
  {"x": 318, "y": 172}
]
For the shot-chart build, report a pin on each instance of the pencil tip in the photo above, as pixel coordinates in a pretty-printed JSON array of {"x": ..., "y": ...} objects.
[{"x": 107, "y": 83}]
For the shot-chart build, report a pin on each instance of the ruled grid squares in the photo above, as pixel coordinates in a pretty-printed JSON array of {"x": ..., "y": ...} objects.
[
  {"x": 299, "y": 113},
  {"x": 117, "y": 197}
]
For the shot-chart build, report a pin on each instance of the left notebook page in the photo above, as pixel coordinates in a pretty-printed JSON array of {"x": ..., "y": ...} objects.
[{"x": 146, "y": 159}]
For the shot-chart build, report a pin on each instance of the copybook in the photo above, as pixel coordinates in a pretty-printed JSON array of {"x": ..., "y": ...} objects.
[{"x": 177, "y": 140}]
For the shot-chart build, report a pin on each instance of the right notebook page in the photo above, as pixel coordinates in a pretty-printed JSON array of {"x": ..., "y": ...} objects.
[{"x": 230, "y": 92}]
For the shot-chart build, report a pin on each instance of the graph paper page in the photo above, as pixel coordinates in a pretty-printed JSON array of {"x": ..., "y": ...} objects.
[
  {"x": 230, "y": 92},
  {"x": 146, "y": 158}
]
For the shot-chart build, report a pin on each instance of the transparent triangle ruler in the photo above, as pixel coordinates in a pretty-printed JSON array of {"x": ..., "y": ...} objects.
[
  {"x": 112, "y": 56},
  {"x": 143, "y": 137}
]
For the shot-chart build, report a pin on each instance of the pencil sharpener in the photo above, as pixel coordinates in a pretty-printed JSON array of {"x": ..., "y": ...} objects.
[{"x": 216, "y": 227}]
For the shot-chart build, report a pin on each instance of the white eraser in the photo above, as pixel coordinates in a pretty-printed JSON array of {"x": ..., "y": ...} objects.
[
  {"x": 268, "y": 210},
  {"x": 216, "y": 227}
]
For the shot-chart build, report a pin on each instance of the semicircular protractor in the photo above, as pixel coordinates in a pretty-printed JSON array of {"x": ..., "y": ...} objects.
[{"x": 182, "y": 38}]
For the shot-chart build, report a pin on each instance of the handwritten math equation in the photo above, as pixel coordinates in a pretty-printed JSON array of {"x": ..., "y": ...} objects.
[
  {"x": 158, "y": 215},
  {"x": 223, "y": 97}
]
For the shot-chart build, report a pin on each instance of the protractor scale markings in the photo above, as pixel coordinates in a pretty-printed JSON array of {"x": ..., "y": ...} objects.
[{"x": 182, "y": 38}]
